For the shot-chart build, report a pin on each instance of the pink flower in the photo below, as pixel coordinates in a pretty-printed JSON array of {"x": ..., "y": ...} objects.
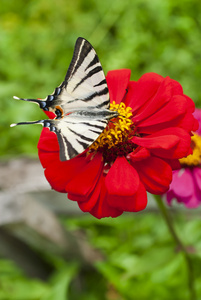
[{"x": 186, "y": 182}]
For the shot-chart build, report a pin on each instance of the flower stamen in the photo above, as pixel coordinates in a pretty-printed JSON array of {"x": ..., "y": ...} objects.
[
  {"x": 115, "y": 139},
  {"x": 195, "y": 158}
]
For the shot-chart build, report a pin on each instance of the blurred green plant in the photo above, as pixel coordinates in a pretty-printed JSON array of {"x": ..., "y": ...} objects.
[
  {"x": 141, "y": 261},
  {"x": 37, "y": 40}
]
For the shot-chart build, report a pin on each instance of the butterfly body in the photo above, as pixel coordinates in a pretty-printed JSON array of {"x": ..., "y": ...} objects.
[{"x": 81, "y": 103}]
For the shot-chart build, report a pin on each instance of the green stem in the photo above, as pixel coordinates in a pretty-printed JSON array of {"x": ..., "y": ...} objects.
[{"x": 179, "y": 243}]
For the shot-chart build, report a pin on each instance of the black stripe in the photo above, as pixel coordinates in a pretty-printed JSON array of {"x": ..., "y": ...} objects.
[
  {"x": 95, "y": 131},
  {"x": 93, "y": 62},
  {"x": 105, "y": 103},
  {"x": 93, "y": 126},
  {"x": 100, "y": 93},
  {"x": 82, "y": 136},
  {"x": 91, "y": 73},
  {"x": 84, "y": 145},
  {"x": 101, "y": 82},
  {"x": 75, "y": 64},
  {"x": 90, "y": 97},
  {"x": 63, "y": 145},
  {"x": 72, "y": 152}
]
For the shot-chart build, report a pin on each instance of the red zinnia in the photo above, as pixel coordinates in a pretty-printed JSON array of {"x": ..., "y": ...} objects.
[{"x": 134, "y": 154}]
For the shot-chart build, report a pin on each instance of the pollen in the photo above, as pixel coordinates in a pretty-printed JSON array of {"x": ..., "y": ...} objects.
[
  {"x": 115, "y": 139},
  {"x": 195, "y": 158}
]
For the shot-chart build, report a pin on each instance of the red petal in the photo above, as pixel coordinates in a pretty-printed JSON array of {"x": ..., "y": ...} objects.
[
  {"x": 154, "y": 142},
  {"x": 84, "y": 182},
  {"x": 175, "y": 107},
  {"x": 143, "y": 90},
  {"x": 102, "y": 209},
  {"x": 138, "y": 154},
  {"x": 122, "y": 179},
  {"x": 180, "y": 150},
  {"x": 163, "y": 95},
  {"x": 155, "y": 174},
  {"x": 92, "y": 199},
  {"x": 191, "y": 104},
  {"x": 48, "y": 141},
  {"x": 140, "y": 201},
  {"x": 60, "y": 173},
  {"x": 50, "y": 114},
  {"x": 189, "y": 123},
  {"x": 174, "y": 163},
  {"x": 117, "y": 81},
  {"x": 48, "y": 158},
  {"x": 122, "y": 182},
  {"x": 185, "y": 121},
  {"x": 176, "y": 87},
  {"x": 175, "y": 143}
]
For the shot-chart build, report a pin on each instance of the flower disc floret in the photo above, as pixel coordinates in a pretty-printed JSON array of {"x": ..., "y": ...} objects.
[
  {"x": 193, "y": 159},
  {"x": 115, "y": 141}
]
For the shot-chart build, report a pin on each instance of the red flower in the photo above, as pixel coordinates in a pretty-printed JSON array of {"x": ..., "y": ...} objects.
[{"x": 135, "y": 154}]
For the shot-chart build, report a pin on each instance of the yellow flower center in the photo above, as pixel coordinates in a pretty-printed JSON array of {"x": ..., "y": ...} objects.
[
  {"x": 195, "y": 158},
  {"x": 114, "y": 140}
]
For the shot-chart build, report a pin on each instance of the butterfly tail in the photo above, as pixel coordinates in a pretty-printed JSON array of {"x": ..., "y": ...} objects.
[
  {"x": 27, "y": 123},
  {"x": 41, "y": 103}
]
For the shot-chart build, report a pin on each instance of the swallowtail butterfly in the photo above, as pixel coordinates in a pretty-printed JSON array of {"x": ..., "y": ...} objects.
[{"x": 81, "y": 103}]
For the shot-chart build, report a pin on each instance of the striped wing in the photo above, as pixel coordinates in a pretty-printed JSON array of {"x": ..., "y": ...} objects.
[
  {"x": 84, "y": 85},
  {"x": 75, "y": 134},
  {"x": 83, "y": 89}
]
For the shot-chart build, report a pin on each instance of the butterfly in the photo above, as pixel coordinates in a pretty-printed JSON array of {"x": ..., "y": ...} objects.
[{"x": 81, "y": 103}]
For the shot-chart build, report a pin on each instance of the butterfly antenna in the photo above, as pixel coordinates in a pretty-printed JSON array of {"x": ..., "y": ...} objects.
[{"x": 27, "y": 123}]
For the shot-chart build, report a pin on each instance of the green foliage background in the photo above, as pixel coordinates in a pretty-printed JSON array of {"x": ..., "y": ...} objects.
[
  {"x": 141, "y": 262},
  {"x": 37, "y": 40}
]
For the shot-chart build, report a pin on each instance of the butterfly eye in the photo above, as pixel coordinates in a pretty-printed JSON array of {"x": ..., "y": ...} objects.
[{"x": 59, "y": 112}]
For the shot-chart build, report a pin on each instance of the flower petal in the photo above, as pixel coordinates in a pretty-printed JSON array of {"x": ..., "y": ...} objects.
[
  {"x": 197, "y": 115},
  {"x": 182, "y": 183},
  {"x": 92, "y": 199},
  {"x": 140, "y": 201},
  {"x": 155, "y": 174},
  {"x": 83, "y": 183},
  {"x": 117, "y": 81},
  {"x": 183, "y": 188},
  {"x": 172, "y": 143},
  {"x": 143, "y": 90},
  {"x": 196, "y": 171},
  {"x": 138, "y": 154},
  {"x": 122, "y": 183},
  {"x": 175, "y": 107},
  {"x": 154, "y": 142},
  {"x": 102, "y": 208},
  {"x": 50, "y": 114},
  {"x": 163, "y": 96},
  {"x": 59, "y": 173},
  {"x": 48, "y": 141},
  {"x": 122, "y": 179}
]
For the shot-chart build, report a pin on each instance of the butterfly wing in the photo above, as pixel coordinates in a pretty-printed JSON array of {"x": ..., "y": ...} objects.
[
  {"x": 84, "y": 85},
  {"x": 84, "y": 88},
  {"x": 75, "y": 134}
]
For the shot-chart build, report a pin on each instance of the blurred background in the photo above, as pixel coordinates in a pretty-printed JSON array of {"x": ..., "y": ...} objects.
[{"x": 48, "y": 249}]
